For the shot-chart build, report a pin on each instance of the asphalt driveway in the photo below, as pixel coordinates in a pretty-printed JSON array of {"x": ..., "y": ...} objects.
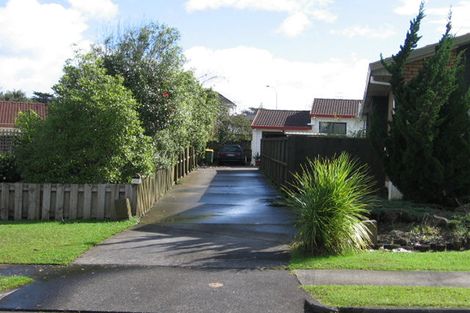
[{"x": 217, "y": 218}]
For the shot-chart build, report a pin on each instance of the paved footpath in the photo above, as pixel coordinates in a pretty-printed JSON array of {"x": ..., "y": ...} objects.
[
  {"x": 215, "y": 243},
  {"x": 382, "y": 278}
]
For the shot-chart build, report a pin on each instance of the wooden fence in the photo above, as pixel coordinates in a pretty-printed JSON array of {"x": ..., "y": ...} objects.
[
  {"x": 62, "y": 201},
  {"x": 155, "y": 186},
  {"x": 281, "y": 157},
  {"x": 274, "y": 159},
  {"x": 89, "y": 201}
]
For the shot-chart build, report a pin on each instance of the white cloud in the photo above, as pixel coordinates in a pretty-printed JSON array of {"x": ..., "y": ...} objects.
[
  {"x": 36, "y": 38},
  {"x": 294, "y": 24},
  {"x": 300, "y": 13},
  {"x": 324, "y": 15},
  {"x": 242, "y": 74},
  {"x": 408, "y": 7},
  {"x": 365, "y": 31},
  {"x": 460, "y": 17},
  {"x": 437, "y": 12},
  {"x": 100, "y": 9}
]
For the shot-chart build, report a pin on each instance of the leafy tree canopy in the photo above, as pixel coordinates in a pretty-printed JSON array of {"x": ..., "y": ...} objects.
[
  {"x": 174, "y": 108},
  {"x": 42, "y": 97},
  {"x": 14, "y": 95},
  {"x": 150, "y": 59}
]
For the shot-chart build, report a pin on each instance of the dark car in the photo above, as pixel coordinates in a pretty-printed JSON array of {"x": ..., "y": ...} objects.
[{"x": 231, "y": 154}]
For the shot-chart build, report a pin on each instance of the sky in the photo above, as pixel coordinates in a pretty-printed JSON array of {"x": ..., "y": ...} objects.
[{"x": 301, "y": 49}]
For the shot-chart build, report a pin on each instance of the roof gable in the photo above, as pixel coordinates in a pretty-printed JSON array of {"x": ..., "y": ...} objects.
[
  {"x": 343, "y": 108},
  {"x": 9, "y": 111},
  {"x": 420, "y": 53},
  {"x": 282, "y": 120}
]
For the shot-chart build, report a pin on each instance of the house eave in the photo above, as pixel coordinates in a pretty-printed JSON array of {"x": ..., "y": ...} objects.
[{"x": 288, "y": 128}]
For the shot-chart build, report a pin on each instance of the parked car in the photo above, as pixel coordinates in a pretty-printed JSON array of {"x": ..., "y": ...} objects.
[{"x": 231, "y": 154}]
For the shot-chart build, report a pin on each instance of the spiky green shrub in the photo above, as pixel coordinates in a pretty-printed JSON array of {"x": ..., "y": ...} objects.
[{"x": 331, "y": 199}]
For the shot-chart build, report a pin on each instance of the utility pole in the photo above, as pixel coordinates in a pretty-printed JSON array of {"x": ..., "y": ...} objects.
[{"x": 275, "y": 91}]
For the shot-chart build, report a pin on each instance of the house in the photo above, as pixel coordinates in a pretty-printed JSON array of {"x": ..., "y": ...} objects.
[
  {"x": 9, "y": 111},
  {"x": 226, "y": 103},
  {"x": 378, "y": 98},
  {"x": 277, "y": 123},
  {"x": 339, "y": 117}
]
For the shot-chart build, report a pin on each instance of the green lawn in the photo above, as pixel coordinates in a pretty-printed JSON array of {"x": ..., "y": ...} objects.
[
  {"x": 52, "y": 242},
  {"x": 12, "y": 282},
  {"x": 377, "y": 260},
  {"x": 391, "y": 296}
]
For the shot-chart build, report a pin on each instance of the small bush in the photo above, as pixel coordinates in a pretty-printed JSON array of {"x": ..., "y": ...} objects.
[
  {"x": 460, "y": 228},
  {"x": 8, "y": 169},
  {"x": 331, "y": 199}
]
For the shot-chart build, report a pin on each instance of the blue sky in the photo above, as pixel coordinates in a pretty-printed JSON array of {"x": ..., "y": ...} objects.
[{"x": 304, "y": 48}]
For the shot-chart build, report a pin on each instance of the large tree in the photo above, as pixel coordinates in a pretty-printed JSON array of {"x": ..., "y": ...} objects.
[
  {"x": 150, "y": 59},
  {"x": 14, "y": 95},
  {"x": 174, "y": 108},
  {"x": 92, "y": 133},
  {"x": 42, "y": 97},
  {"x": 424, "y": 129}
]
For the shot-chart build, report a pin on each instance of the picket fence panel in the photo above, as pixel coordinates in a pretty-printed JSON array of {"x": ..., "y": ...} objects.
[{"x": 62, "y": 201}]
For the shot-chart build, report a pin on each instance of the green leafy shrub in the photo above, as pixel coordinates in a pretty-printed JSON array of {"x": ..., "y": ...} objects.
[
  {"x": 92, "y": 133},
  {"x": 331, "y": 199},
  {"x": 460, "y": 228},
  {"x": 8, "y": 169}
]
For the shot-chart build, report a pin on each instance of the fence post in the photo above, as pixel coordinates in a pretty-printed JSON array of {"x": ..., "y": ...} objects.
[
  {"x": 18, "y": 201},
  {"x": 4, "y": 201}
]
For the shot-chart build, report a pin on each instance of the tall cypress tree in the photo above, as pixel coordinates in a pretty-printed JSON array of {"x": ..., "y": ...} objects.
[
  {"x": 398, "y": 142},
  {"x": 416, "y": 159},
  {"x": 452, "y": 146}
]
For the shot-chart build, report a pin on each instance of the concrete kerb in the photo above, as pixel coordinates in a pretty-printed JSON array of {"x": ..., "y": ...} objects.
[
  {"x": 314, "y": 307},
  {"x": 401, "y": 310}
]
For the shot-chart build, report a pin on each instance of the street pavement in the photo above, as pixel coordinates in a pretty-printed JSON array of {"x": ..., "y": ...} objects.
[{"x": 218, "y": 242}]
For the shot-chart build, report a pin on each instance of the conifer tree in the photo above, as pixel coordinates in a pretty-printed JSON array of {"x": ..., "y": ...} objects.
[
  {"x": 452, "y": 146},
  {"x": 422, "y": 149}
]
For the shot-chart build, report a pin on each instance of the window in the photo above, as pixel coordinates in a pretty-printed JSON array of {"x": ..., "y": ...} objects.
[{"x": 333, "y": 128}]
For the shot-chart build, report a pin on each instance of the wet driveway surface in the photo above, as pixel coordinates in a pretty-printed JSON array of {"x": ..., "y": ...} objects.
[
  {"x": 218, "y": 218},
  {"x": 215, "y": 243}
]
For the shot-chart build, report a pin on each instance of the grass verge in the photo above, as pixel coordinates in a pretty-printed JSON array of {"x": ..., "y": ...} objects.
[
  {"x": 53, "y": 242},
  {"x": 390, "y": 296},
  {"x": 12, "y": 282},
  {"x": 387, "y": 261}
]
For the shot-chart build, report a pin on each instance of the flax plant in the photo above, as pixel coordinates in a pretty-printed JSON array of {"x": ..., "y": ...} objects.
[{"x": 331, "y": 199}]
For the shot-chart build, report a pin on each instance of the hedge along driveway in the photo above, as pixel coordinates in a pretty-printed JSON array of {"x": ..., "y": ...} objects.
[{"x": 56, "y": 243}]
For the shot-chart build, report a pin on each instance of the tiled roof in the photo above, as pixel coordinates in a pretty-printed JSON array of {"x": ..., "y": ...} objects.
[
  {"x": 9, "y": 111},
  {"x": 282, "y": 120},
  {"x": 345, "y": 108}
]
